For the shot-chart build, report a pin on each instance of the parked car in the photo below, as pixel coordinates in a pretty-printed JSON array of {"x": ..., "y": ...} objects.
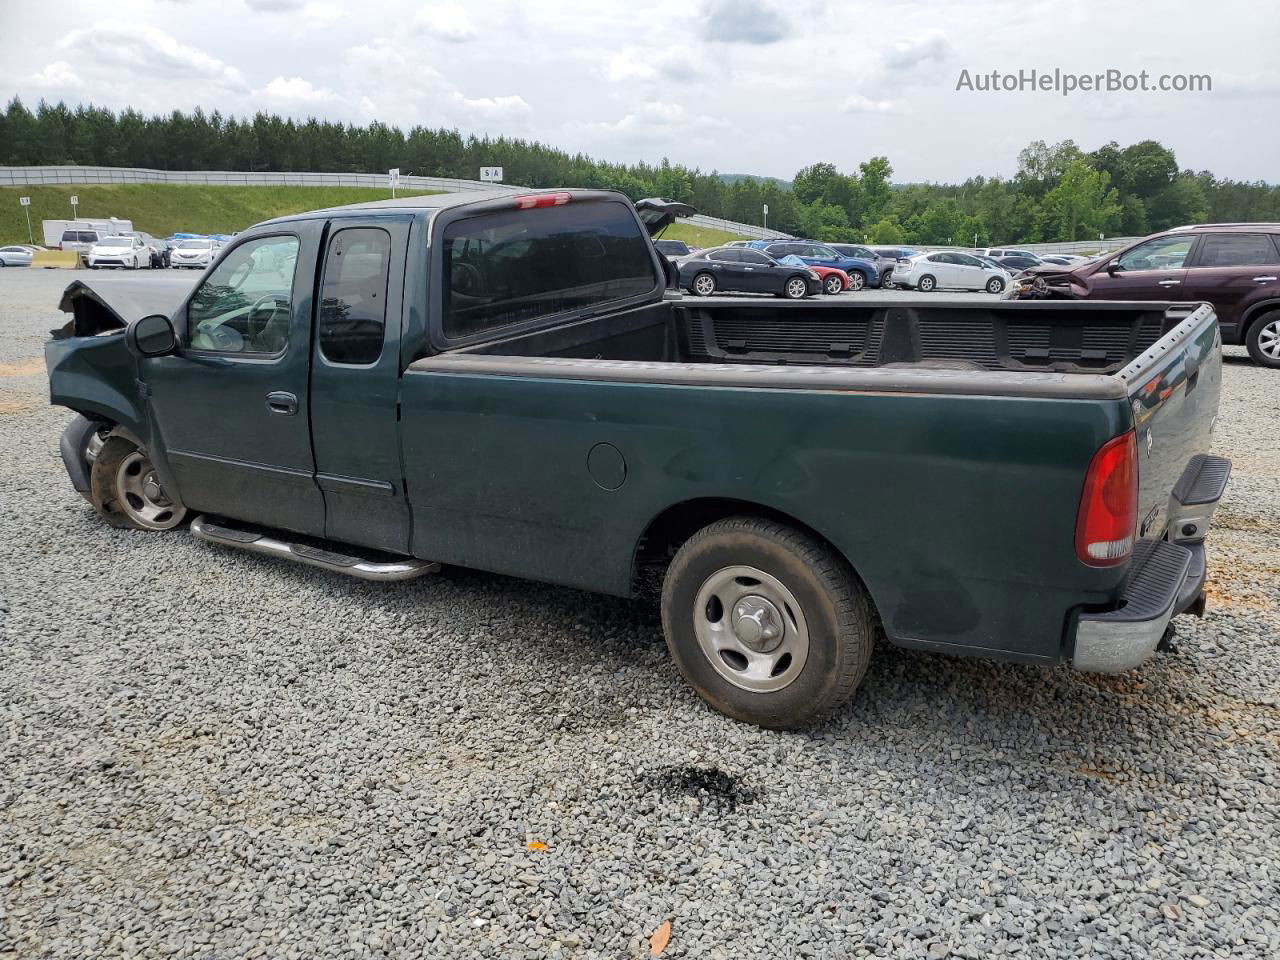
[
  {"x": 884, "y": 265},
  {"x": 15, "y": 256},
  {"x": 79, "y": 240},
  {"x": 862, "y": 273},
  {"x": 197, "y": 252},
  {"x": 833, "y": 281},
  {"x": 1234, "y": 266},
  {"x": 156, "y": 249},
  {"x": 949, "y": 270},
  {"x": 123, "y": 251},
  {"x": 673, "y": 249},
  {"x": 804, "y": 477},
  {"x": 1062, "y": 259},
  {"x": 743, "y": 270},
  {"x": 1015, "y": 263},
  {"x": 998, "y": 252}
]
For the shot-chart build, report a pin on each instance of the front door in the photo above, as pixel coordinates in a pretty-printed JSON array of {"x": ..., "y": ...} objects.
[
  {"x": 760, "y": 274},
  {"x": 355, "y": 382},
  {"x": 229, "y": 409},
  {"x": 1154, "y": 270}
]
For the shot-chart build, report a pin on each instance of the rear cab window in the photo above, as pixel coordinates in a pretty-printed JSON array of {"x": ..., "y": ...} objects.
[{"x": 518, "y": 267}]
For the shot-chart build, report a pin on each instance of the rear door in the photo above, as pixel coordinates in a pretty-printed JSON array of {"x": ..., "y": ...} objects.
[
  {"x": 355, "y": 382},
  {"x": 1154, "y": 270},
  {"x": 728, "y": 268},
  {"x": 1232, "y": 271}
]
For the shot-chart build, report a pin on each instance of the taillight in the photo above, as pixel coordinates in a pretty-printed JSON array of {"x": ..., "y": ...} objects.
[
  {"x": 1108, "y": 515},
  {"x": 542, "y": 200}
]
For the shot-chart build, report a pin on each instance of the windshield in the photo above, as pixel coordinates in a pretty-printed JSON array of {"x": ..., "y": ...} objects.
[
  {"x": 195, "y": 244},
  {"x": 116, "y": 242}
]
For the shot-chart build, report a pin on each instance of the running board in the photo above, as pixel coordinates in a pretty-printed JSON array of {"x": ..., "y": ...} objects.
[{"x": 242, "y": 538}]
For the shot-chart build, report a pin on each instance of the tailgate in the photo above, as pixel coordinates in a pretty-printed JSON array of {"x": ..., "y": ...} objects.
[{"x": 1173, "y": 391}]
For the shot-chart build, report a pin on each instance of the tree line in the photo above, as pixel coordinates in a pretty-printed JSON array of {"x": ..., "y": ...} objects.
[{"x": 1059, "y": 193}]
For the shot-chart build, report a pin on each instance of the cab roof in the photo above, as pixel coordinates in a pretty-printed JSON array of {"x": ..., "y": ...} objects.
[{"x": 434, "y": 202}]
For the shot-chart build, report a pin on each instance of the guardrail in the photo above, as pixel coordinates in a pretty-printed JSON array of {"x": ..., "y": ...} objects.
[{"x": 54, "y": 175}]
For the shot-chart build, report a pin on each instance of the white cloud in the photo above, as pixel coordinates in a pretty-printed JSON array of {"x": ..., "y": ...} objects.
[
  {"x": 677, "y": 65},
  {"x": 909, "y": 54},
  {"x": 743, "y": 21},
  {"x": 275, "y": 6},
  {"x": 296, "y": 90},
  {"x": 448, "y": 21},
  {"x": 58, "y": 75},
  {"x": 147, "y": 51},
  {"x": 857, "y": 103}
]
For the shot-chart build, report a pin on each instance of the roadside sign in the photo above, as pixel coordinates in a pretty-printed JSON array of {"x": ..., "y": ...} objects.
[
  {"x": 75, "y": 201},
  {"x": 24, "y": 201},
  {"x": 393, "y": 175},
  {"x": 491, "y": 174},
  {"x": 766, "y": 209}
]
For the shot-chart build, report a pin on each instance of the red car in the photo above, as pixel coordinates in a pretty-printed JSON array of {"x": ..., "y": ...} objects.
[{"x": 833, "y": 281}]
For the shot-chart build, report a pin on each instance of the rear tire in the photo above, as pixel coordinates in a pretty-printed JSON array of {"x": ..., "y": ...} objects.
[
  {"x": 768, "y": 624},
  {"x": 927, "y": 284},
  {"x": 125, "y": 491},
  {"x": 833, "y": 285},
  {"x": 1263, "y": 340},
  {"x": 995, "y": 285},
  {"x": 703, "y": 285}
]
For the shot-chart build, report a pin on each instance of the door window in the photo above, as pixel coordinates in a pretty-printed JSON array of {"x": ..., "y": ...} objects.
[
  {"x": 1162, "y": 253},
  {"x": 540, "y": 263},
  {"x": 755, "y": 258},
  {"x": 1237, "y": 250},
  {"x": 727, "y": 256},
  {"x": 245, "y": 304},
  {"x": 353, "y": 295}
]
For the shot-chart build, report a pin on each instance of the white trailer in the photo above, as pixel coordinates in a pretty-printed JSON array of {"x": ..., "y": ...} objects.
[{"x": 54, "y": 229}]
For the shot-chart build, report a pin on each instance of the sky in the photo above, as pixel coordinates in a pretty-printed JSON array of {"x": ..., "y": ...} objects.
[{"x": 740, "y": 86}]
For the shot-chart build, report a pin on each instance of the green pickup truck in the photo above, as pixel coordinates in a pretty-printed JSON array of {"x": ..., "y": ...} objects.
[{"x": 511, "y": 383}]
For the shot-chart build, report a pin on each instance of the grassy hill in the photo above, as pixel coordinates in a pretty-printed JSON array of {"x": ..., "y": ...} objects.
[{"x": 162, "y": 209}]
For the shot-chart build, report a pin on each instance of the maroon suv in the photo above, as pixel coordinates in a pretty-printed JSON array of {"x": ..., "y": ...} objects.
[{"x": 1234, "y": 266}]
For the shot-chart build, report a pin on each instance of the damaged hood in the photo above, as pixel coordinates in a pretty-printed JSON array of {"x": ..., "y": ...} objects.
[{"x": 100, "y": 304}]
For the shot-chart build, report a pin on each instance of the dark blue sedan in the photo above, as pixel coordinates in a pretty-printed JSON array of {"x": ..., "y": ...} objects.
[
  {"x": 741, "y": 270},
  {"x": 862, "y": 273}
]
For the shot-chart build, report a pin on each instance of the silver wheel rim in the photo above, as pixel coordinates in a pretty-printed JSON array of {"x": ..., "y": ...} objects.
[
  {"x": 1269, "y": 340},
  {"x": 926, "y": 283},
  {"x": 834, "y": 285},
  {"x": 995, "y": 285},
  {"x": 856, "y": 281},
  {"x": 796, "y": 288},
  {"x": 704, "y": 285},
  {"x": 751, "y": 629},
  {"x": 141, "y": 496}
]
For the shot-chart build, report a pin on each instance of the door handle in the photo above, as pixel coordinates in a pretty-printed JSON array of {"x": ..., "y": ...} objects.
[
  {"x": 1263, "y": 279},
  {"x": 285, "y": 404},
  {"x": 1169, "y": 283}
]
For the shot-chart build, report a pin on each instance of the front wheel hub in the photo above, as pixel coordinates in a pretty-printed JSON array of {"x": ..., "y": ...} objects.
[{"x": 757, "y": 623}]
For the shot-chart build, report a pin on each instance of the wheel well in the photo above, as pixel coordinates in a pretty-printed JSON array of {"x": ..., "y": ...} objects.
[
  {"x": 668, "y": 531},
  {"x": 1256, "y": 314}
]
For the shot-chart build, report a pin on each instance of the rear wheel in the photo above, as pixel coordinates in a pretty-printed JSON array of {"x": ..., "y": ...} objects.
[
  {"x": 833, "y": 285},
  {"x": 857, "y": 280},
  {"x": 768, "y": 624},
  {"x": 795, "y": 289},
  {"x": 995, "y": 285},
  {"x": 704, "y": 285},
  {"x": 1263, "y": 339},
  {"x": 126, "y": 491},
  {"x": 927, "y": 284}
]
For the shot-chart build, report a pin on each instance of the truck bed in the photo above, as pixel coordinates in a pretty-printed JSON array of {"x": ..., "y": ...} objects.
[{"x": 1012, "y": 336}]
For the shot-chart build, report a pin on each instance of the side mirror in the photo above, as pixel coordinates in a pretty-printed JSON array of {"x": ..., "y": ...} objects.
[
  {"x": 1114, "y": 266},
  {"x": 152, "y": 336}
]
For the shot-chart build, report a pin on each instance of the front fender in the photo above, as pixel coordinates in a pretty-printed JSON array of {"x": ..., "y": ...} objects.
[{"x": 97, "y": 377}]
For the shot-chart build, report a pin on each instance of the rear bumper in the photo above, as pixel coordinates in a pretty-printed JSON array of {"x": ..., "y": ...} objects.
[{"x": 1165, "y": 578}]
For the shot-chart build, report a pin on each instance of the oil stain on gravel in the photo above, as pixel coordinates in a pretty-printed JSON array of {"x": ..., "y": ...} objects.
[{"x": 710, "y": 786}]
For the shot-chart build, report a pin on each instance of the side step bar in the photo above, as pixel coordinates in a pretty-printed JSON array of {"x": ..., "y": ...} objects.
[{"x": 401, "y": 568}]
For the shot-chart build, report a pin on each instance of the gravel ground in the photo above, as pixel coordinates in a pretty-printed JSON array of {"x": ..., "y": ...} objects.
[{"x": 210, "y": 754}]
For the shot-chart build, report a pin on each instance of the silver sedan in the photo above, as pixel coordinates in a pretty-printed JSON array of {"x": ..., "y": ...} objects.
[{"x": 15, "y": 256}]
